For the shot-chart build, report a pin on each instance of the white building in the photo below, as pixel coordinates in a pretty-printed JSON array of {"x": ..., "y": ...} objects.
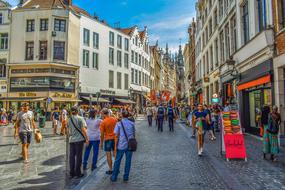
[
  {"x": 104, "y": 60},
  {"x": 140, "y": 65},
  {"x": 5, "y": 13}
]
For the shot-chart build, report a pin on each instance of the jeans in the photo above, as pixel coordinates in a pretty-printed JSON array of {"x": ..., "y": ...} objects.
[
  {"x": 117, "y": 163},
  {"x": 170, "y": 121},
  {"x": 95, "y": 145},
  {"x": 160, "y": 124},
  {"x": 149, "y": 118},
  {"x": 75, "y": 158}
]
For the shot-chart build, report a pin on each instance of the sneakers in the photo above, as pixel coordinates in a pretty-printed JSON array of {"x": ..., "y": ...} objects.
[
  {"x": 200, "y": 151},
  {"x": 26, "y": 161},
  {"x": 109, "y": 172}
]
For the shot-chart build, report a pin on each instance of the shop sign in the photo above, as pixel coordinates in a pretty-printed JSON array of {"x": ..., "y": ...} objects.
[
  {"x": 27, "y": 94},
  {"x": 109, "y": 92},
  {"x": 234, "y": 145},
  {"x": 62, "y": 95}
]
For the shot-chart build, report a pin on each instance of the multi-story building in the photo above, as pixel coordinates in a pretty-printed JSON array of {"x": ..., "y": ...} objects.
[
  {"x": 192, "y": 66},
  {"x": 278, "y": 8},
  {"x": 104, "y": 62},
  {"x": 5, "y": 21},
  {"x": 43, "y": 63},
  {"x": 186, "y": 57},
  {"x": 140, "y": 65}
]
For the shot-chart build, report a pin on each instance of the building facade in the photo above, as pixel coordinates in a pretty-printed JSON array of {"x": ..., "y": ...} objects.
[
  {"x": 180, "y": 77},
  {"x": 5, "y": 22},
  {"x": 104, "y": 61},
  {"x": 43, "y": 67},
  {"x": 186, "y": 57}
]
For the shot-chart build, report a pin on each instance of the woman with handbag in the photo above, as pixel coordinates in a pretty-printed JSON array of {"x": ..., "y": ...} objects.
[{"x": 270, "y": 137}]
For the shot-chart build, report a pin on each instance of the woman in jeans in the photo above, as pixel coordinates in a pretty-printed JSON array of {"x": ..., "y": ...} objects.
[{"x": 93, "y": 132}]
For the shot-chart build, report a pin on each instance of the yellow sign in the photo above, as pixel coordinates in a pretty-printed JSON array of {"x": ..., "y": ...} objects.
[
  {"x": 62, "y": 95},
  {"x": 27, "y": 94}
]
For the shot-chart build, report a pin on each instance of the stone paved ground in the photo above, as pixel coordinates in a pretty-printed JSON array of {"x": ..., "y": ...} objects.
[
  {"x": 47, "y": 167},
  {"x": 170, "y": 161}
]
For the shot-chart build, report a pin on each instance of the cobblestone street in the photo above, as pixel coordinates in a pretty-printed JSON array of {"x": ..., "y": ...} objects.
[{"x": 169, "y": 161}]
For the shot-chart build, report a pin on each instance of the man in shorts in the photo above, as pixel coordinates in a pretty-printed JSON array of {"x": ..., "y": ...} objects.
[
  {"x": 107, "y": 127},
  {"x": 25, "y": 125}
]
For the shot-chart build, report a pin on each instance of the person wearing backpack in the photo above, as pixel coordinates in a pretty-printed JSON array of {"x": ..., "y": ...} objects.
[
  {"x": 171, "y": 116},
  {"x": 160, "y": 117},
  {"x": 270, "y": 138},
  {"x": 125, "y": 133}
]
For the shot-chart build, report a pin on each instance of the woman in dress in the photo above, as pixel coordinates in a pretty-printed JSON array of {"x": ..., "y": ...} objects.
[{"x": 270, "y": 137}]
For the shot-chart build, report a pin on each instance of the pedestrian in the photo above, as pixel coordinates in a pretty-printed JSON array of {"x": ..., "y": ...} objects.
[
  {"x": 63, "y": 121},
  {"x": 265, "y": 111},
  {"x": 209, "y": 125},
  {"x": 77, "y": 133},
  {"x": 4, "y": 118},
  {"x": 124, "y": 130},
  {"x": 55, "y": 120},
  {"x": 201, "y": 120},
  {"x": 270, "y": 138},
  {"x": 93, "y": 133},
  {"x": 194, "y": 110},
  {"x": 24, "y": 127},
  {"x": 149, "y": 114},
  {"x": 160, "y": 117},
  {"x": 171, "y": 117},
  {"x": 107, "y": 127}
]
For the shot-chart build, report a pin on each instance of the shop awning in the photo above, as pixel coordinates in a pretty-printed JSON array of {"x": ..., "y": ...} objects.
[
  {"x": 125, "y": 101},
  {"x": 253, "y": 83},
  {"x": 22, "y": 99},
  {"x": 65, "y": 100},
  {"x": 94, "y": 99}
]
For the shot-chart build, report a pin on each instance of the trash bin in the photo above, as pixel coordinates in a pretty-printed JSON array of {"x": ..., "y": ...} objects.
[{"x": 42, "y": 121}]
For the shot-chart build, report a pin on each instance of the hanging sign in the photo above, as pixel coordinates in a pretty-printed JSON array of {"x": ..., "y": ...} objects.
[{"x": 234, "y": 145}]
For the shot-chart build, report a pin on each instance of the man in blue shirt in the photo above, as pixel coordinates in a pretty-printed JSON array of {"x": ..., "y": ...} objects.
[
  {"x": 171, "y": 115},
  {"x": 122, "y": 145},
  {"x": 160, "y": 117}
]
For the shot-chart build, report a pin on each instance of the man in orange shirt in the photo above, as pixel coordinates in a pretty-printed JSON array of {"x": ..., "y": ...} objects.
[{"x": 107, "y": 127}]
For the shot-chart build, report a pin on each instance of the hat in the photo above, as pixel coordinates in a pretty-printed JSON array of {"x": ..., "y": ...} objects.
[
  {"x": 74, "y": 109},
  {"x": 24, "y": 104}
]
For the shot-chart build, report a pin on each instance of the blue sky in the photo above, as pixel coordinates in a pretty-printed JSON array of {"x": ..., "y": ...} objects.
[{"x": 167, "y": 20}]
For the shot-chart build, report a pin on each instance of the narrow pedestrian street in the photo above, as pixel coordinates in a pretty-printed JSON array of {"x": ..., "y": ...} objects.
[{"x": 170, "y": 161}]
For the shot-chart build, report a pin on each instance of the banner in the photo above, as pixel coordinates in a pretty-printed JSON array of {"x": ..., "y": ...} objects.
[{"x": 234, "y": 145}]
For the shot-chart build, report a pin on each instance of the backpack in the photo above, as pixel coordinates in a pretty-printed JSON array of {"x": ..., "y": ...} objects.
[
  {"x": 160, "y": 112},
  {"x": 170, "y": 112}
]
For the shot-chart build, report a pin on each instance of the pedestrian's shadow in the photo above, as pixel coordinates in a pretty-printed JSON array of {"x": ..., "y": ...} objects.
[
  {"x": 11, "y": 161},
  {"x": 2, "y": 145}
]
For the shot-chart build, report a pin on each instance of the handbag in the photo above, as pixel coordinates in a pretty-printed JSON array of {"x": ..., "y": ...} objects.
[
  {"x": 77, "y": 128},
  {"x": 132, "y": 143}
]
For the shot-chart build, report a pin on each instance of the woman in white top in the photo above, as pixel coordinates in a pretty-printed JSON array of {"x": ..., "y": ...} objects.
[{"x": 93, "y": 132}]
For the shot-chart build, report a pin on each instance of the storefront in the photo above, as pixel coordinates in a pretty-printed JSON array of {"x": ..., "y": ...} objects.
[{"x": 255, "y": 90}]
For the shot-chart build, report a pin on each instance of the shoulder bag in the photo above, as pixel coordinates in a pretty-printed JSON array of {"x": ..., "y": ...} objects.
[
  {"x": 132, "y": 143},
  {"x": 77, "y": 128}
]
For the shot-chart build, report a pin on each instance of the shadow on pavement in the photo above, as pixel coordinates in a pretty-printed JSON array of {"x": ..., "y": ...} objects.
[
  {"x": 11, "y": 161},
  {"x": 1, "y": 145},
  {"x": 55, "y": 161}
]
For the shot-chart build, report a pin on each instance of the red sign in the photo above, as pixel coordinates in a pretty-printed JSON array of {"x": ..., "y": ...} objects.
[{"x": 234, "y": 145}]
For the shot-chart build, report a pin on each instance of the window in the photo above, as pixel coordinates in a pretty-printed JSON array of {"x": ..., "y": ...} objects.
[
  {"x": 210, "y": 27},
  {"x": 136, "y": 41},
  {"x": 111, "y": 38},
  {"x": 1, "y": 18},
  {"x": 261, "y": 10},
  {"x": 43, "y": 50},
  {"x": 245, "y": 22},
  {"x": 4, "y": 41},
  {"x": 59, "y": 50},
  {"x": 143, "y": 79},
  {"x": 211, "y": 58},
  {"x": 119, "y": 41},
  {"x": 43, "y": 24},
  {"x": 95, "y": 40},
  {"x": 140, "y": 77},
  {"x": 133, "y": 56},
  {"x": 222, "y": 47},
  {"x": 126, "y": 44},
  {"x": 126, "y": 60},
  {"x": 140, "y": 60},
  {"x": 227, "y": 41},
  {"x": 30, "y": 25},
  {"x": 111, "y": 56},
  {"x": 119, "y": 80},
  {"x": 132, "y": 75},
  {"x": 29, "y": 50},
  {"x": 111, "y": 79},
  {"x": 2, "y": 70},
  {"x": 282, "y": 19},
  {"x": 233, "y": 35},
  {"x": 126, "y": 81},
  {"x": 85, "y": 58},
  {"x": 215, "y": 18},
  {"x": 221, "y": 9},
  {"x": 207, "y": 62},
  {"x": 95, "y": 62},
  {"x": 59, "y": 25},
  {"x": 136, "y": 58},
  {"x": 136, "y": 76},
  {"x": 216, "y": 53},
  {"x": 119, "y": 58},
  {"x": 86, "y": 37}
]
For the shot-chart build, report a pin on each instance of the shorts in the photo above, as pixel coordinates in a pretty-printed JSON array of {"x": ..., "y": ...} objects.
[
  {"x": 109, "y": 145},
  {"x": 25, "y": 137}
]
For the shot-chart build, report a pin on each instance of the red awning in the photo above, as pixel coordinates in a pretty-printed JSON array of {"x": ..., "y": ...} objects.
[{"x": 256, "y": 82}]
